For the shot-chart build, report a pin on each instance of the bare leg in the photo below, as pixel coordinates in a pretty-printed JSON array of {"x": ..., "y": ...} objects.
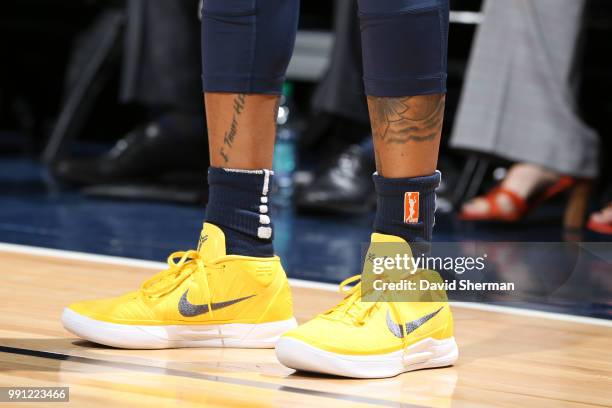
[
  {"x": 604, "y": 215},
  {"x": 406, "y": 134},
  {"x": 241, "y": 129}
]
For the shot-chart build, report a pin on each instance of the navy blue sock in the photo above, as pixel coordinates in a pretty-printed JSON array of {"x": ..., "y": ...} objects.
[
  {"x": 406, "y": 207},
  {"x": 238, "y": 204}
]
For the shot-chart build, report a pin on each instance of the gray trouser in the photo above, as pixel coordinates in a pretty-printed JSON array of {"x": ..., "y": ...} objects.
[{"x": 518, "y": 102}]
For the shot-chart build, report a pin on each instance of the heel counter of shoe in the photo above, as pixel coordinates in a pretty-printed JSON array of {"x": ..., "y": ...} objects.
[{"x": 280, "y": 306}]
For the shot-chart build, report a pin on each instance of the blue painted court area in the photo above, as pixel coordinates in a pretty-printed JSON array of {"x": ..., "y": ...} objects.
[{"x": 37, "y": 211}]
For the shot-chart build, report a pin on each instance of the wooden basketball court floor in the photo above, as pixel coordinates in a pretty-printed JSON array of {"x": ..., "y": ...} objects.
[{"x": 508, "y": 357}]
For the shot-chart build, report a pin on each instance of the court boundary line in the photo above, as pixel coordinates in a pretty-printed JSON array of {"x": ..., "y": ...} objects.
[
  {"x": 143, "y": 368},
  {"x": 300, "y": 283}
]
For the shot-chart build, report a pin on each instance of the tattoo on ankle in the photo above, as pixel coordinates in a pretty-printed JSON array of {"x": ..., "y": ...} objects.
[
  {"x": 230, "y": 135},
  {"x": 409, "y": 119}
]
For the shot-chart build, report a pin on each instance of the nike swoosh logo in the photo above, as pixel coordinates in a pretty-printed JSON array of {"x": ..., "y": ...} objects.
[
  {"x": 397, "y": 328},
  {"x": 188, "y": 309}
]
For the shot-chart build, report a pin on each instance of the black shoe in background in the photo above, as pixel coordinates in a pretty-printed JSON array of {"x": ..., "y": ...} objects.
[
  {"x": 174, "y": 143},
  {"x": 344, "y": 187},
  {"x": 327, "y": 135}
]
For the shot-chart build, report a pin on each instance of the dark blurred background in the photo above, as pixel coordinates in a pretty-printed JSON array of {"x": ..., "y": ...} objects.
[{"x": 38, "y": 36}]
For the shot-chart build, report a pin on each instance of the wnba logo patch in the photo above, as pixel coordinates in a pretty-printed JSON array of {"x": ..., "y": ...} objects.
[{"x": 411, "y": 207}]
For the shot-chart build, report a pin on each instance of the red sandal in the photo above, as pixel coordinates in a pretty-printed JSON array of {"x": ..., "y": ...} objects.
[
  {"x": 600, "y": 227},
  {"x": 520, "y": 206}
]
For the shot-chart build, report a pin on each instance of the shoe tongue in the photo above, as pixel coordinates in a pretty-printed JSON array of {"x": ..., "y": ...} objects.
[
  {"x": 212, "y": 242},
  {"x": 382, "y": 246}
]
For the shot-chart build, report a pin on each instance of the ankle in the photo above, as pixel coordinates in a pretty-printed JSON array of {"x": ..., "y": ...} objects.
[
  {"x": 406, "y": 207},
  {"x": 238, "y": 204},
  {"x": 238, "y": 243},
  {"x": 524, "y": 178}
]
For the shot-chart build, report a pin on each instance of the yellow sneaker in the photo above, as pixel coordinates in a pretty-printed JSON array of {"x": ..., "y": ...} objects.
[
  {"x": 205, "y": 299},
  {"x": 372, "y": 339}
]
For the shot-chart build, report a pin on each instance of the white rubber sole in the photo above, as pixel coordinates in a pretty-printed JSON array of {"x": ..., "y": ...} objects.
[
  {"x": 237, "y": 335},
  {"x": 428, "y": 353}
]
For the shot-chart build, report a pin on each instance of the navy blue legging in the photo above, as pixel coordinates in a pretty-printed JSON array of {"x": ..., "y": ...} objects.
[{"x": 247, "y": 45}]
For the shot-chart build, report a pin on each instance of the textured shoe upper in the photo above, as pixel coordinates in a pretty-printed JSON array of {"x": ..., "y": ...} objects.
[
  {"x": 202, "y": 287},
  {"x": 361, "y": 327},
  {"x": 381, "y": 332}
]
